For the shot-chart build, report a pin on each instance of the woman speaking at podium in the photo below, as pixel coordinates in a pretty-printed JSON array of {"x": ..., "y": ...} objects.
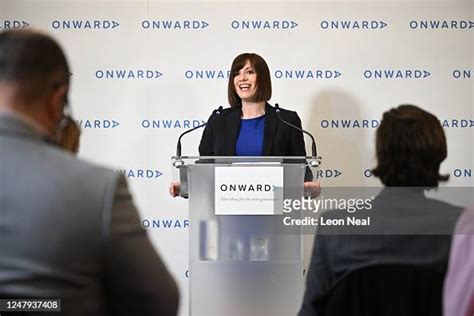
[{"x": 250, "y": 127}]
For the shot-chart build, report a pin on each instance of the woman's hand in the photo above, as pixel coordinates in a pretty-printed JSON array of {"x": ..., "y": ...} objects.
[
  {"x": 312, "y": 189},
  {"x": 174, "y": 188}
]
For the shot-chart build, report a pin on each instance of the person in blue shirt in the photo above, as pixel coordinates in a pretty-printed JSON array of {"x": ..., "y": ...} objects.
[{"x": 250, "y": 127}]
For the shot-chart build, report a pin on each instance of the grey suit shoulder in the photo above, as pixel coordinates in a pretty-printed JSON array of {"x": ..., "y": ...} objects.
[{"x": 69, "y": 230}]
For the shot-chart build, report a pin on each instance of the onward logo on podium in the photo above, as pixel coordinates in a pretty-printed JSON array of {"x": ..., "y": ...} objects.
[{"x": 248, "y": 190}]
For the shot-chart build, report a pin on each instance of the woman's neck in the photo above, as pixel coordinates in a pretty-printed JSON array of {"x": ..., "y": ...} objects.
[{"x": 252, "y": 109}]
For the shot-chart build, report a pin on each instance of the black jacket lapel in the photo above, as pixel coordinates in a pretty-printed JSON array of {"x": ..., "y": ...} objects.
[
  {"x": 233, "y": 127},
  {"x": 271, "y": 124}
]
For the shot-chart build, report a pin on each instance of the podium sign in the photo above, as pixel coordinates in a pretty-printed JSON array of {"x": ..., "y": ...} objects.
[{"x": 244, "y": 190}]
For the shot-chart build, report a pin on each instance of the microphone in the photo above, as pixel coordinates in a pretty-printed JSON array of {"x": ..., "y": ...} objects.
[
  {"x": 314, "y": 152},
  {"x": 178, "y": 162}
]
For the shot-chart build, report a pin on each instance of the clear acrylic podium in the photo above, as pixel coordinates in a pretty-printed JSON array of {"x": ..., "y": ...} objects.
[{"x": 242, "y": 264}]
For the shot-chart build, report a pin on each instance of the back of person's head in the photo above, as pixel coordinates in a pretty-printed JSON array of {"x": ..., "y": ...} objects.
[
  {"x": 410, "y": 146},
  {"x": 33, "y": 62}
]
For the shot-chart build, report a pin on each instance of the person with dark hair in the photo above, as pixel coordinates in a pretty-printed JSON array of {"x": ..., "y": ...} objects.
[
  {"x": 68, "y": 229},
  {"x": 249, "y": 82},
  {"x": 407, "y": 229},
  {"x": 410, "y": 147},
  {"x": 250, "y": 127}
]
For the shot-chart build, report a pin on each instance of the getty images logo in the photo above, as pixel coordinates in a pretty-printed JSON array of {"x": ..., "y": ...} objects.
[
  {"x": 284, "y": 74},
  {"x": 352, "y": 25},
  {"x": 441, "y": 24},
  {"x": 127, "y": 74},
  {"x": 263, "y": 25},
  {"x": 13, "y": 24},
  {"x": 145, "y": 174},
  {"x": 372, "y": 74},
  {"x": 84, "y": 24},
  {"x": 174, "y": 24},
  {"x": 97, "y": 124}
]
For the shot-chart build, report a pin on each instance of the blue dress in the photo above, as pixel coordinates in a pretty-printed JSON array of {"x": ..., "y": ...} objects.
[{"x": 250, "y": 140}]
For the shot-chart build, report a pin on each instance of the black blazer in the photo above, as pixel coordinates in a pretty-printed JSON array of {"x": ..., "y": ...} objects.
[
  {"x": 406, "y": 228},
  {"x": 394, "y": 289},
  {"x": 220, "y": 136}
]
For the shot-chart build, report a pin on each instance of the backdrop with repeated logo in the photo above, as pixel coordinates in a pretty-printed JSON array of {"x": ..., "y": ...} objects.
[{"x": 144, "y": 71}]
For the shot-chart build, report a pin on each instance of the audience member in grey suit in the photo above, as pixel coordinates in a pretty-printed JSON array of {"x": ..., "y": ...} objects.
[
  {"x": 407, "y": 228},
  {"x": 68, "y": 229}
]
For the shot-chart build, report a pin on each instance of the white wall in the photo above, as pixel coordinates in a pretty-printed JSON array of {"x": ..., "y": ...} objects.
[{"x": 303, "y": 42}]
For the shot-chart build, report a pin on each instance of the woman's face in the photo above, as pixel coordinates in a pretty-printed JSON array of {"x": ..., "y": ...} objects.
[{"x": 245, "y": 82}]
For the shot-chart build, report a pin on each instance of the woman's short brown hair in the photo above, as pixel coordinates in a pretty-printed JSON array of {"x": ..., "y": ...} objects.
[
  {"x": 264, "y": 85},
  {"x": 410, "y": 146}
]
